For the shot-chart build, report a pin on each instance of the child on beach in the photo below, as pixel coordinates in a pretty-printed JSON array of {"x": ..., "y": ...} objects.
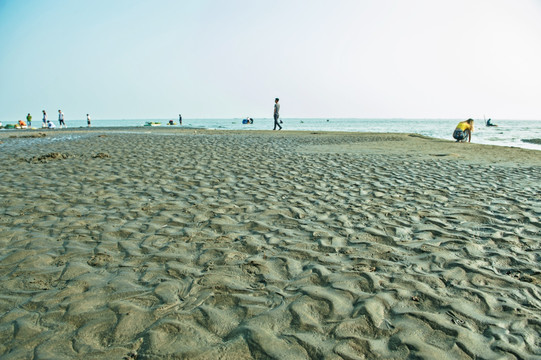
[
  {"x": 463, "y": 130},
  {"x": 29, "y": 120}
]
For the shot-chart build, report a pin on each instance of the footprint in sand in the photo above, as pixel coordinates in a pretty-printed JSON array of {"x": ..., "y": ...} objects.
[{"x": 100, "y": 259}]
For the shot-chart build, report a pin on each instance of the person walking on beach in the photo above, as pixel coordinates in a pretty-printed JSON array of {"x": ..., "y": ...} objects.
[
  {"x": 61, "y": 119},
  {"x": 277, "y": 114},
  {"x": 179, "y": 119},
  {"x": 29, "y": 120},
  {"x": 88, "y": 120},
  {"x": 463, "y": 130},
  {"x": 44, "y": 125}
]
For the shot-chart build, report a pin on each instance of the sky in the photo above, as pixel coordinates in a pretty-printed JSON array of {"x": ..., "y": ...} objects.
[{"x": 133, "y": 59}]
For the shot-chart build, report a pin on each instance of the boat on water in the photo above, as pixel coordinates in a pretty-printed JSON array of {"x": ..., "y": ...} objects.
[{"x": 489, "y": 123}]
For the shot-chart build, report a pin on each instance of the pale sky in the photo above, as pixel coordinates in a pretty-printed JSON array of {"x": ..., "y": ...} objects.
[{"x": 120, "y": 59}]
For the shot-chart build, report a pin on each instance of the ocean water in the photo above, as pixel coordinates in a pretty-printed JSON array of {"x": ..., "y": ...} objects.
[{"x": 507, "y": 133}]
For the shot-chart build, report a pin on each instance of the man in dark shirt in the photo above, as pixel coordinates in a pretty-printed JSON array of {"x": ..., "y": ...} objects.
[{"x": 277, "y": 114}]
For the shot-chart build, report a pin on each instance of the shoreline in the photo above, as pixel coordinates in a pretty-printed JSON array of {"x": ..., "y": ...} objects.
[
  {"x": 410, "y": 143},
  {"x": 262, "y": 244},
  {"x": 528, "y": 142}
]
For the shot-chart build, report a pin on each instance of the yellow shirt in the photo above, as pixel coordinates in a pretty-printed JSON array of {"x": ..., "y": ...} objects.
[{"x": 464, "y": 125}]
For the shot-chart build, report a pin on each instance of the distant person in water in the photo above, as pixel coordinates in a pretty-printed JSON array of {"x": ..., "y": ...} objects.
[
  {"x": 44, "y": 119},
  {"x": 463, "y": 130},
  {"x": 88, "y": 120},
  {"x": 179, "y": 119},
  {"x": 277, "y": 114},
  {"x": 61, "y": 119},
  {"x": 29, "y": 120}
]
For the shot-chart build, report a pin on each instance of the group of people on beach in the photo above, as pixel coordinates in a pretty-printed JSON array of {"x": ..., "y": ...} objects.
[
  {"x": 47, "y": 123},
  {"x": 463, "y": 130}
]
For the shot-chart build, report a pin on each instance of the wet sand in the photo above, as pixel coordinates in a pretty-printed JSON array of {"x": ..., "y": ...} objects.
[{"x": 166, "y": 244}]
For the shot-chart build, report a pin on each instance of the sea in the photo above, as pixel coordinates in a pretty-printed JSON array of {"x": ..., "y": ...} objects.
[{"x": 515, "y": 133}]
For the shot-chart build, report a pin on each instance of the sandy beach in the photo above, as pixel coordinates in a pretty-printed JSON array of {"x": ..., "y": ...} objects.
[{"x": 189, "y": 244}]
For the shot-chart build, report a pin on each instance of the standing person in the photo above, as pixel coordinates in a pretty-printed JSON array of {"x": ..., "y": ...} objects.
[
  {"x": 29, "y": 120},
  {"x": 276, "y": 114},
  {"x": 88, "y": 120},
  {"x": 463, "y": 130},
  {"x": 179, "y": 119},
  {"x": 61, "y": 119},
  {"x": 44, "y": 125}
]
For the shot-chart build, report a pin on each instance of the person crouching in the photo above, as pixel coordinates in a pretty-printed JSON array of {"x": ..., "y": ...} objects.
[{"x": 463, "y": 130}]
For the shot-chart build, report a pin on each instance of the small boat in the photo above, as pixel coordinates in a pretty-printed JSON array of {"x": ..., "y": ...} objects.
[
  {"x": 152, "y": 123},
  {"x": 489, "y": 123}
]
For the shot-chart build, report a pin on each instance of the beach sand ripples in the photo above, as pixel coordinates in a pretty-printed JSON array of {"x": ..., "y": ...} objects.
[{"x": 241, "y": 246}]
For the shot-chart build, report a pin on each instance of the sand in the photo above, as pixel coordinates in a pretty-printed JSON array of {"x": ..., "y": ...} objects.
[{"x": 170, "y": 244}]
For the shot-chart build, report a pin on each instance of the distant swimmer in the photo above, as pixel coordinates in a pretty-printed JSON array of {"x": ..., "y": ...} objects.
[{"x": 463, "y": 130}]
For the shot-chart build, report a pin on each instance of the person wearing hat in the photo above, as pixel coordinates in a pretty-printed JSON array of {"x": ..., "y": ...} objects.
[{"x": 277, "y": 114}]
